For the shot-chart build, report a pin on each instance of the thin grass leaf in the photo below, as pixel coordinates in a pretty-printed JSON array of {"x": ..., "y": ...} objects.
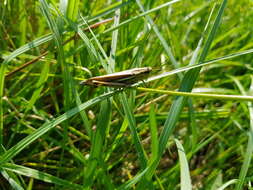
[
  {"x": 153, "y": 132},
  {"x": 96, "y": 154},
  {"x": 33, "y": 44},
  {"x": 90, "y": 47},
  {"x": 83, "y": 115},
  {"x": 185, "y": 178},
  {"x": 12, "y": 181},
  {"x": 134, "y": 180},
  {"x": 246, "y": 163},
  {"x": 39, "y": 86},
  {"x": 193, "y": 124},
  {"x": 217, "y": 182},
  {"x": 114, "y": 41},
  {"x": 67, "y": 79},
  {"x": 2, "y": 73},
  {"x": 132, "y": 125},
  {"x": 225, "y": 185},
  {"x": 95, "y": 39},
  {"x": 39, "y": 175},
  {"x": 249, "y": 150},
  {"x": 72, "y": 10},
  {"x": 118, "y": 138},
  {"x": 198, "y": 148}
]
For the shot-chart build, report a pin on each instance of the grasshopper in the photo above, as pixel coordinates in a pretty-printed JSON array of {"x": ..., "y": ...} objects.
[{"x": 119, "y": 79}]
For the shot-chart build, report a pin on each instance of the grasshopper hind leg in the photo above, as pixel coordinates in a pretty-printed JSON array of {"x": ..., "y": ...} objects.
[{"x": 109, "y": 84}]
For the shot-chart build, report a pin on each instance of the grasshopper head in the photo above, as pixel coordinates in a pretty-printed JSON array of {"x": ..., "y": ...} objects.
[{"x": 87, "y": 82}]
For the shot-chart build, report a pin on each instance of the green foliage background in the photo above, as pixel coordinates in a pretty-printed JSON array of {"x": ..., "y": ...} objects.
[{"x": 57, "y": 134}]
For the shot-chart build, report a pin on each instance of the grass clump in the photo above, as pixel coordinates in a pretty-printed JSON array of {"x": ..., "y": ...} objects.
[{"x": 58, "y": 134}]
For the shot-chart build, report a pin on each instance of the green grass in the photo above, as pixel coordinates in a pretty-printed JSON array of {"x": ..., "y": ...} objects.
[{"x": 189, "y": 126}]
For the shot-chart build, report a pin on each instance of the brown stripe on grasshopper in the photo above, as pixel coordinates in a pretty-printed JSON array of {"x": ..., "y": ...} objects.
[{"x": 119, "y": 79}]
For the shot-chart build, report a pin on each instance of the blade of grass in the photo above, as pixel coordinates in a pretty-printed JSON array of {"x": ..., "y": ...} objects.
[
  {"x": 67, "y": 79},
  {"x": 12, "y": 182},
  {"x": 83, "y": 115},
  {"x": 72, "y": 10},
  {"x": 39, "y": 86},
  {"x": 185, "y": 177},
  {"x": 39, "y": 175},
  {"x": 249, "y": 151},
  {"x": 217, "y": 182},
  {"x": 56, "y": 29},
  {"x": 193, "y": 124},
  {"x": 118, "y": 138},
  {"x": 225, "y": 185},
  {"x": 114, "y": 41},
  {"x": 133, "y": 181},
  {"x": 96, "y": 154},
  {"x": 132, "y": 125},
  {"x": 246, "y": 162},
  {"x": 153, "y": 132}
]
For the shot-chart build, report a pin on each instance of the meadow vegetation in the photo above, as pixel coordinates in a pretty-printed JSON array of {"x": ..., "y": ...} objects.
[{"x": 189, "y": 125}]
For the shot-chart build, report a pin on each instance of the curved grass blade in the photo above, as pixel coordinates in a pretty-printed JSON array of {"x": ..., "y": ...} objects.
[
  {"x": 11, "y": 181},
  {"x": 225, "y": 185},
  {"x": 29, "y": 172},
  {"x": 248, "y": 155},
  {"x": 185, "y": 178}
]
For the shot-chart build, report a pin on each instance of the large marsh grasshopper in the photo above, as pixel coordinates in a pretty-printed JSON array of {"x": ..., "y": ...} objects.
[{"x": 119, "y": 79}]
